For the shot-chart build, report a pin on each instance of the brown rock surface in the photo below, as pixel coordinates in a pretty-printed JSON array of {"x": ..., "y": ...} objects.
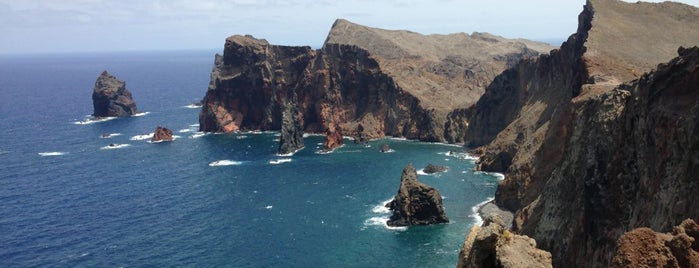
[
  {"x": 333, "y": 138},
  {"x": 492, "y": 245},
  {"x": 415, "y": 203},
  {"x": 110, "y": 97},
  {"x": 354, "y": 81},
  {"x": 162, "y": 134},
  {"x": 585, "y": 156},
  {"x": 645, "y": 248}
]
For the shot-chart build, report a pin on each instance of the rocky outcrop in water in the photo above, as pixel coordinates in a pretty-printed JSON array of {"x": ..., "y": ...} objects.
[
  {"x": 644, "y": 248},
  {"x": 291, "y": 134},
  {"x": 333, "y": 138},
  {"x": 415, "y": 203},
  {"x": 396, "y": 90},
  {"x": 587, "y": 153},
  {"x": 111, "y": 98},
  {"x": 162, "y": 134},
  {"x": 430, "y": 169},
  {"x": 492, "y": 245}
]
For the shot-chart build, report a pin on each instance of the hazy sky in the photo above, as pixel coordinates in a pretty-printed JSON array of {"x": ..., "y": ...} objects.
[{"x": 40, "y": 26}]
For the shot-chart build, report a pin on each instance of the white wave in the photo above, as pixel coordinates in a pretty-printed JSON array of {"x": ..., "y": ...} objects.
[
  {"x": 225, "y": 162},
  {"x": 141, "y": 114},
  {"x": 197, "y": 135},
  {"x": 109, "y": 135},
  {"x": 93, "y": 120},
  {"x": 291, "y": 153},
  {"x": 497, "y": 175},
  {"x": 142, "y": 137},
  {"x": 422, "y": 172},
  {"x": 184, "y": 130},
  {"x": 52, "y": 153},
  {"x": 115, "y": 146},
  {"x": 389, "y": 151},
  {"x": 241, "y": 137},
  {"x": 269, "y": 207},
  {"x": 381, "y": 208},
  {"x": 194, "y": 125},
  {"x": 382, "y": 221},
  {"x": 279, "y": 161},
  {"x": 399, "y": 138},
  {"x": 275, "y": 140},
  {"x": 474, "y": 210},
  {"x": 192, "y": 106},
  {"x": 174, "y": 137}
]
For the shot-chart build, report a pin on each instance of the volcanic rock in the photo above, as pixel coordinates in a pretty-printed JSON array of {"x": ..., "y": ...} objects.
[
  {"x": 291, "y": 134},
  {"x": 386, "y": 149},
  {"x": 645, "y": 248},
  {"x": 415, "y": 203},
  {"x": 430, "y": 168},
  {"x": 162, "y": 134},
  {"x": 333, "y": 138},
  {"x": 587, "y": 152},
  {"x": 351, "y": 81},
  {"x": 111, "y": 98},
  {"x": 492, "y": 245}
]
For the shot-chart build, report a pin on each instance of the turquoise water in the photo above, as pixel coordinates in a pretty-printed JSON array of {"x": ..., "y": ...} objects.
[{"x": 68, "y": 199}]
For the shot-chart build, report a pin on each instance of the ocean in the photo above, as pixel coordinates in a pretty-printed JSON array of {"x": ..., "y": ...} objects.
[{"x": 69, "y": 199}]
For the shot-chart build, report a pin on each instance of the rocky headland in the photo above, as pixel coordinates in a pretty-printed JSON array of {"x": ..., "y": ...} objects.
[
  {"x": 415, "y": 203},
  {"x": 599, "y": 137},
  {"x": 111, "y": 98},
  {"x": 391, "y": 83}
]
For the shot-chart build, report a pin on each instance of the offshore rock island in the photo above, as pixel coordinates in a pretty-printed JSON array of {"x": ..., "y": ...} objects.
[
  {"x": 415, "y": 203},
  {"x": 111, "y": 98},
  {"x": 392, "y": 83}
]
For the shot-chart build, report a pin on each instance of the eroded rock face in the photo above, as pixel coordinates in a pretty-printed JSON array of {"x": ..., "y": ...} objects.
[
  {"x": 492, "y": 245},
  {"x": 415, "y": 203},
  {"x": 587, "y": 156},
  {"x": 291, "y": 134},
  {"x": 351, "y": 82},
  {"x": 162, "y": 134},
  {"x": 645, "y": 248},
  {"x": 111, "y": 98}
]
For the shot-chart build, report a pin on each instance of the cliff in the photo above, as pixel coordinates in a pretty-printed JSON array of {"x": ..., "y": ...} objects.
[
  {"x": 291, "y": 133},
  {"x": 588, "y": 154},
  {"x": 110, "y": 97},
  {"x": 403, "y": 90}
]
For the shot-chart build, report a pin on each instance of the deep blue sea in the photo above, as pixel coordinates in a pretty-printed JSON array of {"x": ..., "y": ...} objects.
[{"x": 67, "y": 199}]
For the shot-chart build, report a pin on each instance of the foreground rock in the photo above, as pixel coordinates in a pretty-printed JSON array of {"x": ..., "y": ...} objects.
[
  {"x": 644, "y": 248},
  {"x": 430, "y": 169},
  {"x": 162, "y": 134},
  {"x": 588, "y": 154},
  {"x": 291, "y": 134},
  {"x": 393, "y": 87},
  {"x": 415, "y": 203},
  {"x": 110, "y": 98},
  {"x": 492, "y": 245}
]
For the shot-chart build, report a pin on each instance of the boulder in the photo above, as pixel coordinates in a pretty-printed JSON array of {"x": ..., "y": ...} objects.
[
  {"x": 643, "y": 247},
  {"x": 386, "y": 149},
  {"x": 492, "y": 245},
  {"x": 415, "y": 203},
  {"x": 111, "y": 98},
  {"x": 430, "y": 169},
  {"x": 162, "y": 134}
]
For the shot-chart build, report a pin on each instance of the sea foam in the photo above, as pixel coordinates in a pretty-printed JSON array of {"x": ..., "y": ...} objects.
[
  {"x": 225, "y": 162},
  {"x": 140, "y": 114},
  {"x": 115, "y": 146},
  {"x": 280, "y": 161},
  {"x": 380, "y": 217},
  {"x": 475, "y": 215},
  {"x": 93, "y": 120},
  {"x": 142, "y": 137},
  {"x": 52, "y": 153}
]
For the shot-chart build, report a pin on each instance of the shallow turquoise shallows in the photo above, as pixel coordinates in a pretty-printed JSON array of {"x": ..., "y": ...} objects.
[{"x": 69, "y": 199}]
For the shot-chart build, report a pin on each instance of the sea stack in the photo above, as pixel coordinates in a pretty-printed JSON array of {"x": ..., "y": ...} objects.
[
  {"x": 333, "y": 138},
  {"x": 162, "y": 134},
  {"x": 415, "y": 203},
  {"x": 110, "y": 98},
  {"x": 291, "y": 134}
]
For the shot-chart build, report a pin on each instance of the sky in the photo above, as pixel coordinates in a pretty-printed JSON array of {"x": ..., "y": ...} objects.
[{"x": 49, "y": 26}]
